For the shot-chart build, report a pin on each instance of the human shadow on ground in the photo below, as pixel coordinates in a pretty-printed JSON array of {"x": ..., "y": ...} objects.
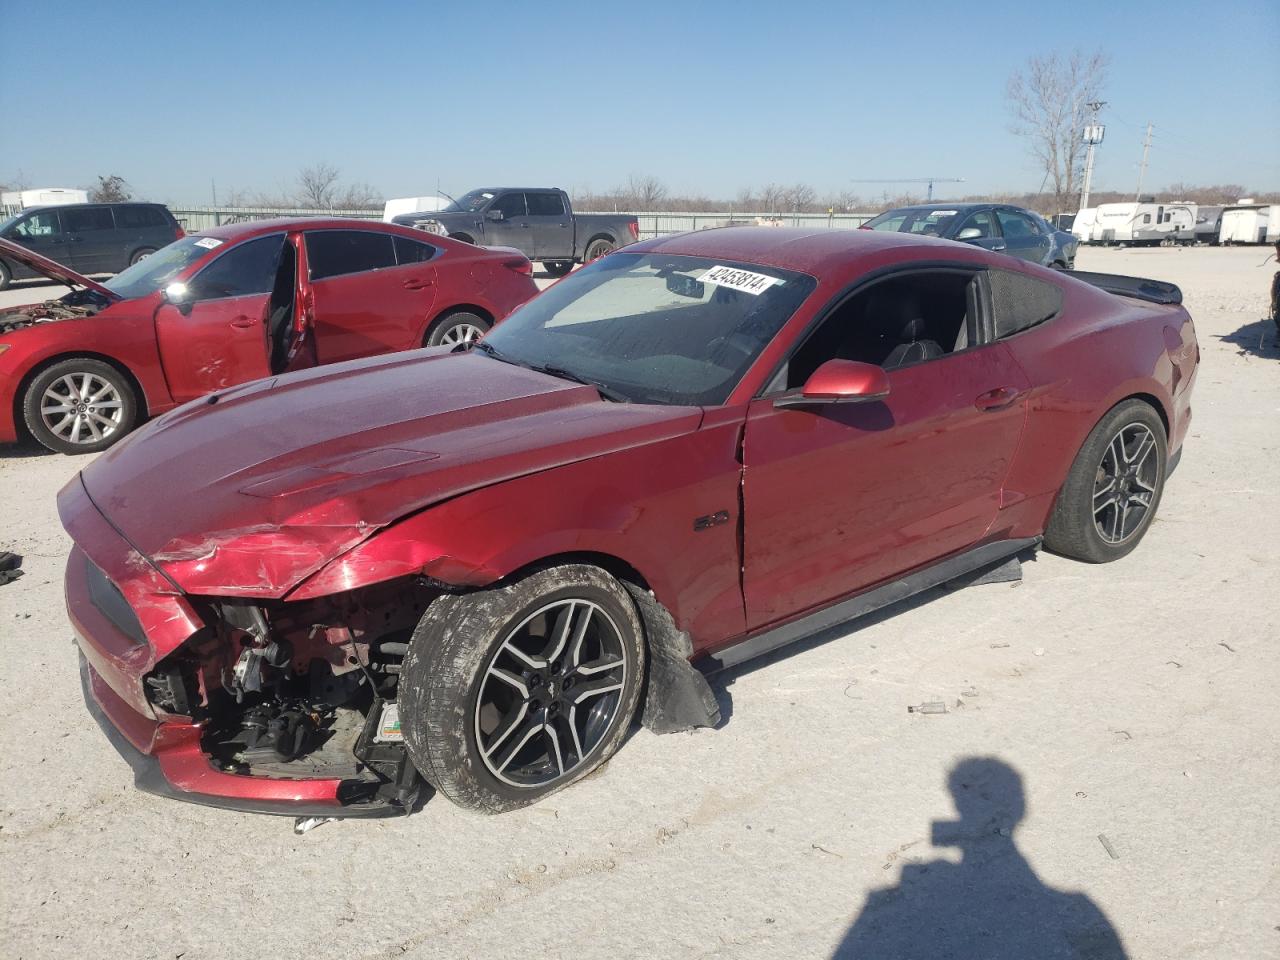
[
  {"x": 1260, "y": 337},
  {"x": 988, "y": 906}
]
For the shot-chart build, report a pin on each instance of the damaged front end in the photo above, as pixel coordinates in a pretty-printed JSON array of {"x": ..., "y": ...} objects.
[
  {"x": 301, "y": 690},
  {"x": 261, "y": 706}
]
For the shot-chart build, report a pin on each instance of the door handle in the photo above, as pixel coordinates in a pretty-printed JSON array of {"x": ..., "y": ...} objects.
[
  {"x": 244, "y": 323},
  {"x": 997, "y": 399},
  {"x": 416, "y": 284},
  {"x": 525, "y": 225}
]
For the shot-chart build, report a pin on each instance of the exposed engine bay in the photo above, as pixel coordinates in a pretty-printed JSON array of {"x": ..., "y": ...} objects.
[
  {"x": 302, "y": 690},
  {"x": 73, "y": 306}
]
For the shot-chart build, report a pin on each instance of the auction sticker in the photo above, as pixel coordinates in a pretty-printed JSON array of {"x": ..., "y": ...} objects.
[
  {"x": 735, "y": 279},
  {"x": 208, "y": 242}
]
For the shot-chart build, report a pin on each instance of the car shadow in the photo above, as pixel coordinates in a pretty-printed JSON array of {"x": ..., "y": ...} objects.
[
  {"x": 997, "y": 572},
  {"x": 990, "y": 903},
  {"x": 1261, "y": 338}
]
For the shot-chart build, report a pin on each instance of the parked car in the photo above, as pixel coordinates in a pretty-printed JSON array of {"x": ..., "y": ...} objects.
[
  {"x": 999, "y": 227},
  {"x": 88, "y": 237},
  {"x": 539, "y": 222},
  {"x": 232, "y": 304},
  {"x": 474, "y": 567}
]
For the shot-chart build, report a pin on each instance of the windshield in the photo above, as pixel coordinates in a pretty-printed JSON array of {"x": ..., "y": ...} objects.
[
  {"x": 7, "y": 223},
  {"x": 470, "y": 202},
  {"x": 929, "y": 222},
  {"x": 653, "y": 328},
  {"x": 150, "y": 274}
]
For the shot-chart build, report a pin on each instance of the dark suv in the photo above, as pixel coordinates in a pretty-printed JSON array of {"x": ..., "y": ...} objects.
[{"x": 89, "y": 237}]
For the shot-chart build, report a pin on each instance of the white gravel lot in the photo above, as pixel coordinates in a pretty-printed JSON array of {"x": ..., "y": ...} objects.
[{"x": 1136, "y": 700}]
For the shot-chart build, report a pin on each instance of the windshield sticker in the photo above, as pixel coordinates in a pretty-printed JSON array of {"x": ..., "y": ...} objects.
[
  {"x": 744, "y": 280},
  {"x": 943, "y": 213},
  {"x": 208, "y": 242}
]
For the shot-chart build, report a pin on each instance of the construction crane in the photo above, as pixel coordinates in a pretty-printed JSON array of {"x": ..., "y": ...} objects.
[{"x": 929, "y": 180}]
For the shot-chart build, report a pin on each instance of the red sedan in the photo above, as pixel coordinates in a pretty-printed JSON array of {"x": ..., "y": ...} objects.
[
  {"x": 236, "y": 303},
  {"x": 475, "y": 568}
]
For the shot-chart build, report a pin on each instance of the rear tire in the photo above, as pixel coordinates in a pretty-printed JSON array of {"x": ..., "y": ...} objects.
[
  {"x": 512, "y": 693},
  {"x": 557, "y": 268},
  {"x": 457, "y": 329},
  {"x": 141, "y": 255},
  {"x": 1113, "y": 490},
  {"x": 79, "y": 406},
  {"x": 598, "y": 248}
]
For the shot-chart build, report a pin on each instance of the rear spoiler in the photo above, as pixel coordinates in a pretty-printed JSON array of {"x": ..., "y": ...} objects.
[{"x": 1153, "y": 291}]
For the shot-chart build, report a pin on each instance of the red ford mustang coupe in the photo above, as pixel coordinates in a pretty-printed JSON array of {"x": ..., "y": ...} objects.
[
  {"x": 233, "y": 304},
  {"x": 474, "y": 568}
]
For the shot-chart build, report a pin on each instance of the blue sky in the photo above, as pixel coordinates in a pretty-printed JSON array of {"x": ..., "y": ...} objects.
[{"x": 710, "y": 97}]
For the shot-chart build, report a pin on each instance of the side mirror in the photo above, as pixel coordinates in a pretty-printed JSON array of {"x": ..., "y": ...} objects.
[
  {"x": 178, "y": 295},
  {"x": 495, "y": 215},
  {"x": 969, "y": 233},
  {"x": 839, "y": 381}
]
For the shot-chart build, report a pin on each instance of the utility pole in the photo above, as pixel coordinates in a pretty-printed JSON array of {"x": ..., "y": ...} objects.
[
  {"x": 1142, "y": 171},
  {"x": 1093, "y": 134}
]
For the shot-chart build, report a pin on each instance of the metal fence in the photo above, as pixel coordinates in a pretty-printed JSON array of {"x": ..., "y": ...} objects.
[
  {"x": 194, "y": 219},
  {"x": 651, "y": 224}
]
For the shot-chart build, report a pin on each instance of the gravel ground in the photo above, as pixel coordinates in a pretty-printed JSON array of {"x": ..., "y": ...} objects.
[{"x": 1137, "y": 701}]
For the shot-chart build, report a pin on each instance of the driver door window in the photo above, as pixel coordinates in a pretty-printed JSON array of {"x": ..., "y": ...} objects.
[
  {"x": 895, "y": 323},
  {"x": 245, "y": 270},
  {"x": 39, "y": 226}
]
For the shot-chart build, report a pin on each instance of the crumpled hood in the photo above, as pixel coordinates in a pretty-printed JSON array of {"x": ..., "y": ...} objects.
[
  {"x": 249, "y": 492},
  {"x": 52, "y": 269}
]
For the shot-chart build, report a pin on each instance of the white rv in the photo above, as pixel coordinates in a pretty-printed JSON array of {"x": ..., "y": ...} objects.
[
  {"x": 1250, "y": 224},
  {"x": 1082, "y": 225},
  {"x": 1146, "y": 223}
]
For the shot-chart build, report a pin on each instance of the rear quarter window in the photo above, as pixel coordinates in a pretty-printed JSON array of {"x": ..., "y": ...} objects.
[
  {"x": 1020, "y": 302},
  {"x": 136, "y": 218}
]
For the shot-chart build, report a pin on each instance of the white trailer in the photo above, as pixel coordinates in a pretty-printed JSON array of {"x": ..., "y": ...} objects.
[
  {"x": 1082, "y": 225},
  {"x": 1144, "y": 223},
  {"x": 43, "y": 197},
  {"x": 1250, "y": 223},
  {"x": 401, "y": 205}
]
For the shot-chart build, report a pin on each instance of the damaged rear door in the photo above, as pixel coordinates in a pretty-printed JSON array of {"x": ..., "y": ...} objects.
[{"x": 215, "y": 336}]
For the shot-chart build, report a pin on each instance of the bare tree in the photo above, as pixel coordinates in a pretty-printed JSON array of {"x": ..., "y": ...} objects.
[
  {"x": 1049, "y": 100},
  {"x": 317, "y": 185},
  {"x": 644, "y": 193},
  {"x": 111, "y": 189},
  {"x": 800, "y": 197}
]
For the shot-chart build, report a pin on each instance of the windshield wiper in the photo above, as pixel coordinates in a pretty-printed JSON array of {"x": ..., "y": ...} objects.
[
  {"x": 605, "y": 391},
  {"x": 559, "y": 372},
  {"x": 493, "y": 351}
]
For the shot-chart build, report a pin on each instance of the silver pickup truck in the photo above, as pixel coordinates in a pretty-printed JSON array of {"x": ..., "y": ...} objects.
[{"x": 539, "y": 222}]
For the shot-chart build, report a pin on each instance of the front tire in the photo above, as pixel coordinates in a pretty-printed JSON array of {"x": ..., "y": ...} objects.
[
  {"x": 79, "y": 406},
  {"x": 457, "y": 329},
  {"x": 512, "y": 693},
  {"x": 1113, "y": 490},
  {"x": 557, "y": 268}
]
